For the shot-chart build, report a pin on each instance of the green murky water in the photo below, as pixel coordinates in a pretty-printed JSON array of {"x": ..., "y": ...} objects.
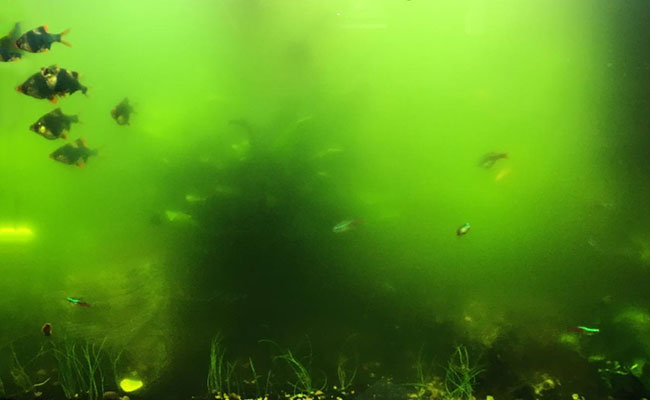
[{"x": 259, "y": 126}]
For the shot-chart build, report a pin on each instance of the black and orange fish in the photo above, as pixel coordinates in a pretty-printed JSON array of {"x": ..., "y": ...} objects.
[
  {"x": 36, "y": 86},
  {"x": 47, "y": 329},
  {"x": 40, "y": 39},
  {"x": 51, "y": 82},
  {"x": 75, "y": 153},
  {"x": 54, "y": 124},
  {"x": 62, "y": 81}
]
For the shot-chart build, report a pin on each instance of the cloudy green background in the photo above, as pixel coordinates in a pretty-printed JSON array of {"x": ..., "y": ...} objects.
[{"x": 407, "y": 95}]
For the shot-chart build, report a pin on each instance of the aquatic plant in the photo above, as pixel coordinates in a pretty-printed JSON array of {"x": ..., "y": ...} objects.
[
  {"x": 19, "y": 374},
  {"x": 69, "y": 367},
  {"x": 422, "y": 369},
  {"x": 460, "y": 376},
  {"x": 304, "y": 382},
  {"x": 232, "y": 383},
  {"x": 92, "y": 355},
  {"x": 346, "y": 372},
  {"x": 255, "y": 378},
  {"x": 216, "y": 376},
  {"x": 80, "y": 370},
  {"x": 427, "y": 383},
  {"x": 115, "y": 359}
]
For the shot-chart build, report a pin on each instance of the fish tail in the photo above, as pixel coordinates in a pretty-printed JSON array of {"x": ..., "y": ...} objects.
[
  {"x": 74, "y": 118},
  {"x": 64, "y": 42},
  {"x": 84, "y": 89}
]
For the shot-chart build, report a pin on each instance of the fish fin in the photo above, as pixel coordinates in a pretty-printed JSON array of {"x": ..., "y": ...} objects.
[
  {"x": 14, "y": 34},
  {"x": 82, "y": 142},
  {"x": 64, "y": 42},
  {"x": 64, "y": 136},
  {"x": 53, "y": 99},
  {"x": 81, "y": 164},
  {"x": 19, "y": 88},
  {"x": 74, "y": 118},
  {"x": 46, "y": 28}
]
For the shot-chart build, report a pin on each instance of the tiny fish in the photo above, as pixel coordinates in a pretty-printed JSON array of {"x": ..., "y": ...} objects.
[
  {"x": 40, "y": 39},
  {"x": 463, "y": 229},
  {"x": 47, "y": 329},
  {"x": 78, "y": 302},
  {"x": 346, "y": 225},
  {"x": 488, "y": 160},
  {"x": 584, "y": 330}
]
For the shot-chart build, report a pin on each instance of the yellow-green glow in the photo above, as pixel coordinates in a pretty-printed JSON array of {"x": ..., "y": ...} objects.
[
  {"x": 10, "y": 234},
  {"x": 130, "y": 385}
]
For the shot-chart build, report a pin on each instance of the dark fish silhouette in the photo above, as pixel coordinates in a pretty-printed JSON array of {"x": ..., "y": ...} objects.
[
  {"x": 122, "y": 112},
  {"x": 40, "y": 39},
  {"x": 75, "y": 153},
  {"x": 62, "y": 81},
  {"x": 54, "y": 125},
  {"x": 51, "y": 82},
  {"x": 8, "y": 51},
  {"x": 488, "y": 160},
  {"x": 36, "y": 86}
]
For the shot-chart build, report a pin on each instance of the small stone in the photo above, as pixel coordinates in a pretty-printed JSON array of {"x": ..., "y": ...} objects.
[{"x": 110, "y": 395}]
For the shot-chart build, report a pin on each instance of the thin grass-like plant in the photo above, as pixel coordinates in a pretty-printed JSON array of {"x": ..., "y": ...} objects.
[
  {"x": 347, "y": 366},
  {"x": 216, "y": 371},
  {"x": 256, "y": 377},
  {"x": 92, "y": 356},
  {"x": 460, "y": 376},
  {"x": 304, "y": 382},
  {"x": 233, "y": 383},
  {"x": 345, "y": 373},
  {"x": 69, "y": 366},
  {"x": 80, "y": 369},
  {"x": 19, "y": 374}
]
